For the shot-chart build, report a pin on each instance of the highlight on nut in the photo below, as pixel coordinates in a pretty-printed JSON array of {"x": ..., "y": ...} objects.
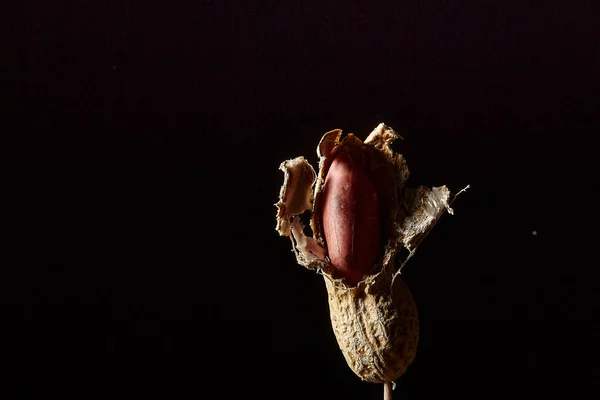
[{"x": 361, "y": 217}]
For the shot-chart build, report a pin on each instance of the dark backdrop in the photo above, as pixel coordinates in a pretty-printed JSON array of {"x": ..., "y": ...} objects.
[{"x": 140, "y": 152}]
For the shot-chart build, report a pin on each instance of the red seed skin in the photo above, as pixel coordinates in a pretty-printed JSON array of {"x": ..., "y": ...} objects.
[{"x": 351, "y": 219}]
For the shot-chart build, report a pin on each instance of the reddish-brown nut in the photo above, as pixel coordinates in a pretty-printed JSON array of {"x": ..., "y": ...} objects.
[{"x": 351, "y": 218}]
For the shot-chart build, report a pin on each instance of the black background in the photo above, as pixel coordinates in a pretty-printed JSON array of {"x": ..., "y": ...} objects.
[{"x": 140, "y": 152}]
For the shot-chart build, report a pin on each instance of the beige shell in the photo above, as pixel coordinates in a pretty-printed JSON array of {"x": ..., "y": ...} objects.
[
  {"x": 375, "y": 321},
  {"x": 376, "y": 325}
]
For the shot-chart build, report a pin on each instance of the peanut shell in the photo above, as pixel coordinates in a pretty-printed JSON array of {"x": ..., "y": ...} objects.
[{"x": 376, "y": 325}]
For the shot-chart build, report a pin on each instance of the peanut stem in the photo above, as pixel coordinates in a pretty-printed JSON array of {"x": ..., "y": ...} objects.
[{"x": 387, "y": 391}]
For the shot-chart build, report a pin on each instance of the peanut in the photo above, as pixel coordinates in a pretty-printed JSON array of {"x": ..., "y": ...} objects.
[
  {"x": 350, "y": 216},
  {"x": 361, "y": 217}
]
